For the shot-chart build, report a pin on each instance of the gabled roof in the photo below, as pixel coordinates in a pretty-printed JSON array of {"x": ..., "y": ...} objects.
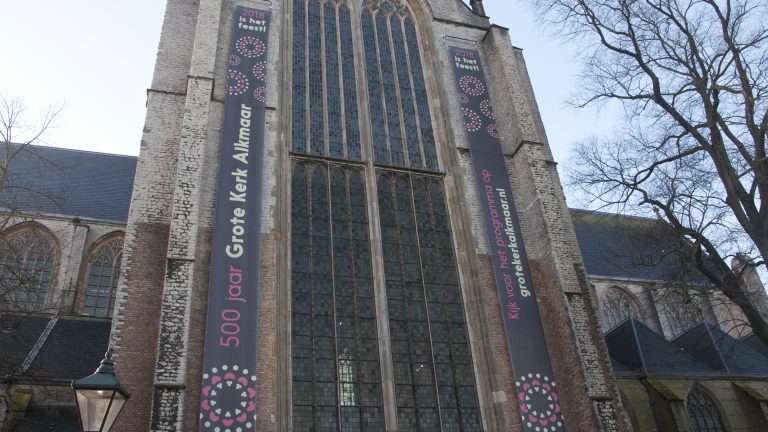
[
  {"x": 627, "y": 247},
  {"x": 640, "y": 350},
  {"x": 68, "y": 182},
  {"x": 722, "y": 352}
]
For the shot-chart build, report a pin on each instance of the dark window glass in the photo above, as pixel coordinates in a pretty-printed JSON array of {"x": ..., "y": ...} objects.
[
  {"x": 703, "y": 412},
  {"x": 333, "y": 91},
  {"x": 101, "y": 286},
  {"x": 378, "y": 128},
  {"x": 422, "y": 102},
  {"x": 409, "y": 115},
  {"x": 390, "y": 92},
  {"x": 314, "y": 41},
  {"x": 352, "y": 121},
  {"x": 432, "y": 360},
  {"x": 299, "y": 87},
  {"x": 27, "y": 261},
  {"x": 324, "y": 96},
  {"x": 334, "y": 339}
]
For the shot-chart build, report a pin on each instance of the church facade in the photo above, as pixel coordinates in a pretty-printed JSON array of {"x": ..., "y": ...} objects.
[{"x": 375, "y": 257}]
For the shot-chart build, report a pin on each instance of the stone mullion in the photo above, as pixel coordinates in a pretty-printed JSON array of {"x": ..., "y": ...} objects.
[
  {"x": 399, "y": 103},
  {"x": 342, "y": 88},
  {"x": 414, "y": 99},
  {"x": 380, "y": 294},
  {"x": 329, "y": 191}
]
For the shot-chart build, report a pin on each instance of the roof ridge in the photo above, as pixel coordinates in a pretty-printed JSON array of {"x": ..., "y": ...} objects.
[{"x": 74, "y": 150}]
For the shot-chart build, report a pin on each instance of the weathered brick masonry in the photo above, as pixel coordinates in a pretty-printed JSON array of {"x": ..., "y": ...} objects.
[{"x": 160, "y": 312}]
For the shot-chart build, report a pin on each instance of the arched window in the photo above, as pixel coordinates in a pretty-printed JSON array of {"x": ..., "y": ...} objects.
[
  {"x": 396, "y": 87},
  {"x": 680, "y": 312},
  {"x": 335, "y": 362},
  {"x": 101, "y": 285},
  {"x": 703, "y": 412},
  {"x": 619, "y": 305},
  {"x": 628, "y": 406},
  {"x": 27, "y": 264},
  {"x": 323, "y": 47}
]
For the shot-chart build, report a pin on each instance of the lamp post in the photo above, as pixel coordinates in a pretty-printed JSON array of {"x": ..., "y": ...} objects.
[{"x": 99, "y": 397}]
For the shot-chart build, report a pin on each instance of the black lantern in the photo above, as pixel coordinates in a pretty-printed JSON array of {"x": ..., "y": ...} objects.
[{"x": 100, "y": 397}]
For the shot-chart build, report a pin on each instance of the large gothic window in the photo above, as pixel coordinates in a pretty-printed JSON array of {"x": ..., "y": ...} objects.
[
  {"x": 618, "y": 305},
  {"x": 398, "y": 103},
  {"x": 679, "y": 311},
  {"x": 703, "y": 412},
  {"x": 336, "y": 359},
  {"x": 101, "y": 282},
  {"x": 434, "y": 378},
  {"x": 324, "y": 97},
  {"x": 335, "y": 355},
  {"x": 27, "y": 263}
]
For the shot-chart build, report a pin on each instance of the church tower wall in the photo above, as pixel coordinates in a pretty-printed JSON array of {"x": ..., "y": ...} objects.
[{"x": 160, "y": 319}]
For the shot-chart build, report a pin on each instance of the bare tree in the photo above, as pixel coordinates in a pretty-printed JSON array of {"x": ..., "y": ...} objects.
[
  {"x": 692, "y": 78},
  {"x": 26, "y": 263}
]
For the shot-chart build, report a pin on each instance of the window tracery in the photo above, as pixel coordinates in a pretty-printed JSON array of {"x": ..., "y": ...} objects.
[
  {"x": 27, "y": 269},
  {"x": 680, "y": 311},
  {"x": 101, "y": 283},
  {"x": 703, "y": 412},
  {"x": 619, "y": 305}
]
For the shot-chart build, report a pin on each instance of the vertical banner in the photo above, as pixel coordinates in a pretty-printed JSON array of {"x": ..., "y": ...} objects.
[
  {"x": 228, "y": 399},
  {"x": 535, "y": 384}
]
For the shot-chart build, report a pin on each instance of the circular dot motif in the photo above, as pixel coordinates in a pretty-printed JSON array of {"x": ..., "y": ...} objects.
[
  {"x": 492, "y": 130},
  {"x": 234, "y": 60},
  {"x": 463, "y": 99},
  {"x": 471, "y": 85},
  {"x": 237, "y": 84},
  {"x": 260, "y": 71},
  {"x": 487, "y": 109},
  {"x": 539, "y": 403},
  {"x": 250, "y": 47},
  {"x": 472, "y": 122},
  {"x": 260, "y": 94},
  {"x": 228, "y": 401}
]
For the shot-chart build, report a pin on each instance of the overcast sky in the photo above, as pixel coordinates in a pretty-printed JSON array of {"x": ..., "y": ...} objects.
[{"x": 96, "y": 57}]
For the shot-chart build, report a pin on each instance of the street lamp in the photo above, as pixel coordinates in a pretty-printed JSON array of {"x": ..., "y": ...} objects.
[{"x": 100, "y": 397}]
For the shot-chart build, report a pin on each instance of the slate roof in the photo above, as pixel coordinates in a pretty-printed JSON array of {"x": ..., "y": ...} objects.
[
  {"x": 722, "y": 352},
  {"x": 49, "y": 419},
  {"x": 72, "y": 350},
  {"x": 627, "y": 247},
  {"x": 640, "y": 350},
  {"x": 756, "y": 344},
  {"x": 68, "y": 182}
]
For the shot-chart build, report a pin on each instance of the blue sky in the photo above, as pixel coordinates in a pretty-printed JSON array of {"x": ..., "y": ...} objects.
[{"x": 96, "y": 57}]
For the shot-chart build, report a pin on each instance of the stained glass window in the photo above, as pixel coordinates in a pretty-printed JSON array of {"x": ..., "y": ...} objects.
[
  {"x": 27, "y": 262},
  {"x": 299, "y": 87},
  {"x": 325, "y": 119},
  {"x": 399, "y": 107},
  {"x": 336, "y": 373},
  {"x": 101, "y": 285},
  {"x": 618, "y": 305},
  {"x": 434, "y": 378},
  {"x": 703, "y": 412}
]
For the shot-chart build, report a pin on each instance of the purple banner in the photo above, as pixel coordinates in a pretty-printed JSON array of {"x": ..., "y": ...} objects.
[
  {"x": 228, "y": 399},
  {"x": 535, "y": 385}
]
